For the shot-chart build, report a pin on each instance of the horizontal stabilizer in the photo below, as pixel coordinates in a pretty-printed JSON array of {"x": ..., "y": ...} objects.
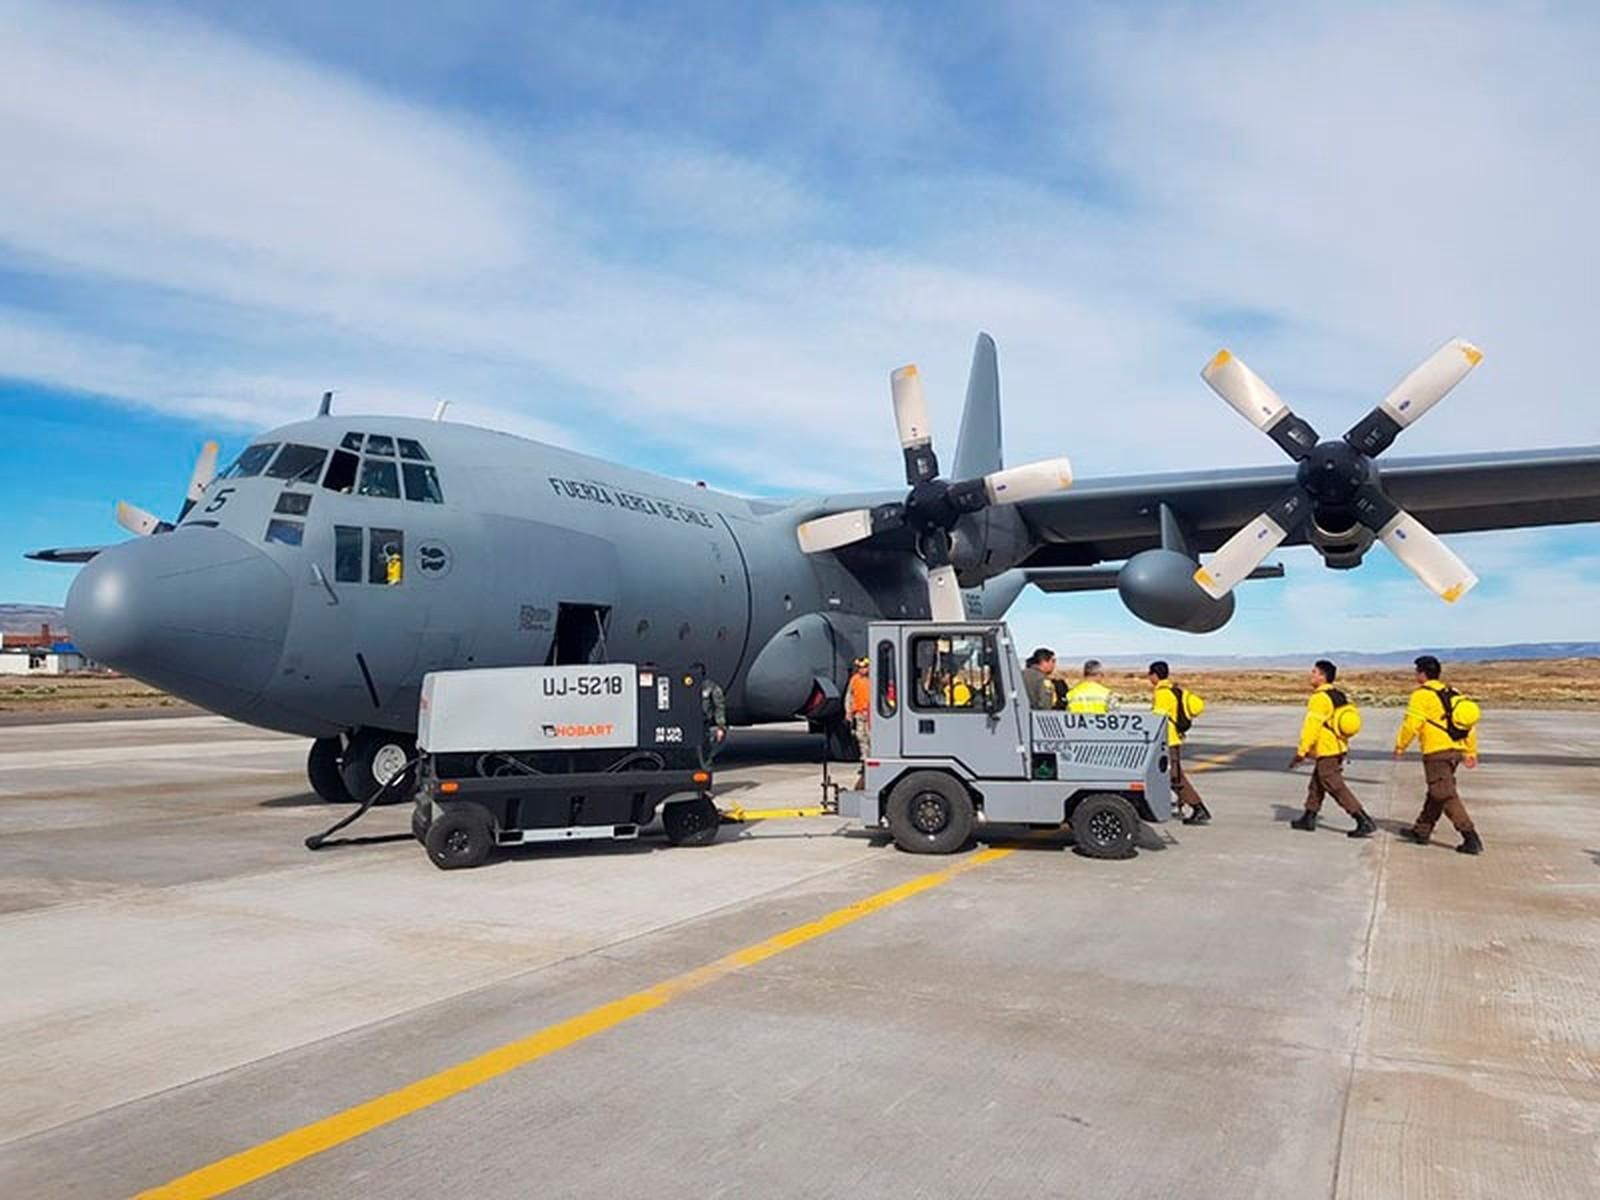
[{"x": 65, "y": 554}]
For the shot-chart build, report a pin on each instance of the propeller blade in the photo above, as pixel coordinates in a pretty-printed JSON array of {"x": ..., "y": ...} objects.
[
  {"x": 205, "y": 470},
  {"x": 835, "y": 530},
  {"x": 1431, "y": 382},
  {"x": 1429, "y": 559},
  {"x": 1253, "y": 399},
  {"x": 911, "y": 419},
  {"x": 1028, "y": 482},
  {"x": 1413, "y": 396},
  {"x": 137, "y": 521},
  {"x": 1246, "y": 550},
  {"x": 944, "y": 595}
]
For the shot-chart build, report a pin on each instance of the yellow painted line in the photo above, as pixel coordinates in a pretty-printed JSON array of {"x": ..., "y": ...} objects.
[
  {"x": 297, "y": 1145},
  {"x": 1221, "y": 760}
]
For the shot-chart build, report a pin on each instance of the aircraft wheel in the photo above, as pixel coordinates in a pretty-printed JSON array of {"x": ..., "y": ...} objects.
[
  {"x": 322, "y": 768},
  {"x": 691, "y": 822},
  {"x": 372, "y": 758},
  {"x": 1105, "y": 826},
  {"x": 842, "y": 746},
  {"x": 931, "y": 813},
  {"x": 461, "y": 837}
]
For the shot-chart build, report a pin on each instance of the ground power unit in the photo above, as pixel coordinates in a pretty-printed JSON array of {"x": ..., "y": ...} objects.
[{"x": 514, "y": 755}]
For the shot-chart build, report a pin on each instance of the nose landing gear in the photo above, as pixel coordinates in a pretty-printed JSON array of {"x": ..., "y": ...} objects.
[{"x": 345, "y": 772}]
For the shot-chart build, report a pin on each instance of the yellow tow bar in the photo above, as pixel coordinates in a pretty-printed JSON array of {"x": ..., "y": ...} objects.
[{"x": 738, "y": 814}]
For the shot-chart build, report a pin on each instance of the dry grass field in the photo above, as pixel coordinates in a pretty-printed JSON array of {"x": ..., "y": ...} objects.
[
  {"x": 1555, "y": 683},
  {"x": 1552, "y": 683}
]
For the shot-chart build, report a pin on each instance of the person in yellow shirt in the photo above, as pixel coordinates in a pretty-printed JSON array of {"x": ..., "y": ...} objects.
[
  {"x": 1090, "y": 694},
  {"x": 1321, "y": 742},
  {"x": 1164, "y": 700},
  {"x": 1441, "y": 754}
]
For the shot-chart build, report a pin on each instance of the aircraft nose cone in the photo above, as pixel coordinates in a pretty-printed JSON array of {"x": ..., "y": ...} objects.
[{"x": 197, "y": 612}]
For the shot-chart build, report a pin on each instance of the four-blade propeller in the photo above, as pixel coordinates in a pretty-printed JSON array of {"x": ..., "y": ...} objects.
[
  {"x": 142, "y": 523},
  {"x": 1337, "y": 482},
  {"x": 934, "y": 506}
]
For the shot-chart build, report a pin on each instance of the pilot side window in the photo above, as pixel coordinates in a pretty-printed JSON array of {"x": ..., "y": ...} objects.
[
  {"x": 251, "y": 461},
  {"x": 293, "y": 504},
  {"x": 955, "y": 671},
  {"x": 422, "y": 483},
  {"x": 347, "y": 553},
  {"x": 341, "y": 476},
  {"x": 352, "y": 441},
  {"x": 298, "y": 464},
  {"x": 386, "y": 554},
  {"x": 290, "y": 533},
  {"x": 380, "y": 478},
  {"x": 412, "y": 450},
  {"x": 380, "y": 443}
]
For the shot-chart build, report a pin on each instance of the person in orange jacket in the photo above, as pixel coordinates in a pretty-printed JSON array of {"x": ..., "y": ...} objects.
[
  {"x": 1428, "y": 717},
  {"x": 858, "y": 708}
]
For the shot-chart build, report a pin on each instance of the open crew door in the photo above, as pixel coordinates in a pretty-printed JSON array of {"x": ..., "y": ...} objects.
[{"x": 580, "y": 635}]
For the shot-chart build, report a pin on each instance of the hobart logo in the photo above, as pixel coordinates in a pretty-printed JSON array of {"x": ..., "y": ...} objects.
[{"x": 580, "y": 731}]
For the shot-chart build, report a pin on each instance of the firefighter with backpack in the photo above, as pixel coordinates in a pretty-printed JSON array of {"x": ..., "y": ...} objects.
[
  {"x": 1447, "y": 723},
  {"x": 1180, "y": 707},
  {"x": 1331, "y": 721}
]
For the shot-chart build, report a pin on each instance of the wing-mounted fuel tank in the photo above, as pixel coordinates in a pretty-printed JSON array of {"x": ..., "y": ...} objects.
[{"x": 802, "y": 668}]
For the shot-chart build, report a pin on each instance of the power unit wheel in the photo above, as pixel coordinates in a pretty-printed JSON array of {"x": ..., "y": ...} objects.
[
  {"x": 930, "y": 813},
  {"x": 1105, "y": 826},
  {"x": 691, "y": 822},
  {"x": 322, "y": 769},
  {"x": 461, "y": 837},
  {"x": 373, "y": 757},
  {"x": 421, "y": 818}
]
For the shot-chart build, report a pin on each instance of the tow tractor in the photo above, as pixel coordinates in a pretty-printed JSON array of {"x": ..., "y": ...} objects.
[
  {"x": 514, "y": 755},
  {"x": 956, "y": 744}
]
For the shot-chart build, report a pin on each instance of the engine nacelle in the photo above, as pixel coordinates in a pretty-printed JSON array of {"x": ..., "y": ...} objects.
[
  {"x": 1158, "y": 586},
  {"x": 1340, "y": 549},
  {"x": 803, "y": 664}
]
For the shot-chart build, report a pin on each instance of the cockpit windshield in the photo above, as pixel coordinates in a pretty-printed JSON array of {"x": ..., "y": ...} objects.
[
  {"x": 251, "y": 461},
  {"x": 298, "y": 464}
]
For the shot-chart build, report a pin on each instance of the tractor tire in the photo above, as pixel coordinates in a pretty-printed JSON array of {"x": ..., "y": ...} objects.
[
  {"x": 462, "y": 837},
  {"x": 1105, "y": 826},
  {"x": 322, "y": 769},
  {"x": 931, "y": 813},
  {"x": 691, "y": 822}
]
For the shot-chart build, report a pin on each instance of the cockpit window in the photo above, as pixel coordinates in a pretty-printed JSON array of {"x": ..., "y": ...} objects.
[
  {"x": 251, "y": 461},
  {"x": 341, "y": 476},
  {"x": 352, "y": 441},
  {"x": 298, "y": 464},
  {"x": 413, "y": 450},
  {"x": 380, "y": 478},
  {"x": 290, "y": 533},
  {"x": 380, "y": 443},
  {"x": 422, "y": 483}
]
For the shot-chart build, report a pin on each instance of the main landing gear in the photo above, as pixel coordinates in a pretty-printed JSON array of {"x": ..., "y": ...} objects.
[{"x": 345, "y": 770}]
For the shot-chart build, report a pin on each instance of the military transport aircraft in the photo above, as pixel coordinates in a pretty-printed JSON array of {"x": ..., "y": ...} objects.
[{"x": 310, "y": 584}]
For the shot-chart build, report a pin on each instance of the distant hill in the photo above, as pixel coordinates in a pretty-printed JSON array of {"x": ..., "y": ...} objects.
[
  {"x": 1515, "y": 652},
  {"x": 26, "y": 618}
]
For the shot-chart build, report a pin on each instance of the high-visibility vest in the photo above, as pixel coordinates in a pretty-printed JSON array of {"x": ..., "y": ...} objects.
[{"x": 1089, "y": 696}]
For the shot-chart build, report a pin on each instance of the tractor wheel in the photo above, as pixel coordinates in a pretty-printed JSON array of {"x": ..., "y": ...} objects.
[
  {"x": 931, "y": 813},
  {"x": 461, "y": 837},
  {"x": 1105, "y": 826},
  {"x": 691, "y": 822}
]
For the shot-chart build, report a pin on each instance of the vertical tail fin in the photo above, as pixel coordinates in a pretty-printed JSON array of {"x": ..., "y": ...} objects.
[{"x": 978, "y": 448}]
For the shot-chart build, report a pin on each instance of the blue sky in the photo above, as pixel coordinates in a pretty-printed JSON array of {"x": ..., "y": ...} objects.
[{"x": 696, "y": 238}]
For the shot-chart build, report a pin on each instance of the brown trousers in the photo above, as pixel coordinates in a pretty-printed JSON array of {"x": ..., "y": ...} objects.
[
  {"x": 1327, "y": 779},
  {"x": 1439, "y": 769},
  {"x": 1182, "y": 790}
]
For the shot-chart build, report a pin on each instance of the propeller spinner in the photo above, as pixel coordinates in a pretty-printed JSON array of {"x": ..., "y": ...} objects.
[
  {"x": 934, "y": 505},
  {"x": 1338, "y": 482}
]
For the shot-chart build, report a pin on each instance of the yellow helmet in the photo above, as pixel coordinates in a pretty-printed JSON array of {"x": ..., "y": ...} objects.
[
  {"x": 1466, "y": 712},
  {"x": 1347, "y": 721}
]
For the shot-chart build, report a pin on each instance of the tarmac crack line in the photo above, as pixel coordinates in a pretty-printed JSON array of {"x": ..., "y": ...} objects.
[{"x": 269, "y": 1157}]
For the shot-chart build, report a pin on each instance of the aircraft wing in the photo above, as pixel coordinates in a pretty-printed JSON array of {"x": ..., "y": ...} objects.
[
  {"x": 1103, "y": 520},
  {"x": 65, "y": 554}
]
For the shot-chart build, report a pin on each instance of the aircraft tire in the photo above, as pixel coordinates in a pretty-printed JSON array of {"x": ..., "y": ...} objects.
[
  {"x": 1105, "y": 826},
  {"x": 322, "y": 769},
  {"x": 691, "y": 822},
  {"x": 931, "y": 813},
  {"x": 368, "y": 749},
  {"x": 462, "y": 837}
]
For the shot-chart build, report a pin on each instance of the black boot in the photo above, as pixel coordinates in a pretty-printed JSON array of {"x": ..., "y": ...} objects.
[
  {"x": 1411, "y": 835},
  {"x": 1306, "y": 821},
  {"x": 1471, "y": 843},
  {"x": 1364, "y": 826},
  {"x": 1199, "y": 814}
]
